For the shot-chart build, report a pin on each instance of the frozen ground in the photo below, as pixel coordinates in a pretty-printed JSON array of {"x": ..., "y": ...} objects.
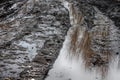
[
  {"x": 30, "y": 37},
  {"x": 32, "y": 33},
  {"x": 67, "y": 68}
]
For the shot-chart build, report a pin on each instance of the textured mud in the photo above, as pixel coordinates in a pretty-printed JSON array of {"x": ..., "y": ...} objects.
[{"x": 32, "y": 33}]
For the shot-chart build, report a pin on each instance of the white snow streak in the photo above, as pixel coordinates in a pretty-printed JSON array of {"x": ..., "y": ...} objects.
[
  {"x": 66, "y": 69},
  {"x": 31, "y": 49}
]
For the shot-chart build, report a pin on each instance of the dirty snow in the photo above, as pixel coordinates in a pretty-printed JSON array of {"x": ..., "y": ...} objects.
[{"x": 66, "y": 68}]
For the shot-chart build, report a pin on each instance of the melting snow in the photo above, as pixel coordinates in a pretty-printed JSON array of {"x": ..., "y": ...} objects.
[{"x": 66, "y": 69}]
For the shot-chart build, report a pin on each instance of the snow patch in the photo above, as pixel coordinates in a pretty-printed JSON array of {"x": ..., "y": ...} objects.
[
  {"x": 114, "y": 72},
  {"x": 66, "y": 5},
  {"x": 66, "y": 68},
  {"x": 31, "y": 49}
]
